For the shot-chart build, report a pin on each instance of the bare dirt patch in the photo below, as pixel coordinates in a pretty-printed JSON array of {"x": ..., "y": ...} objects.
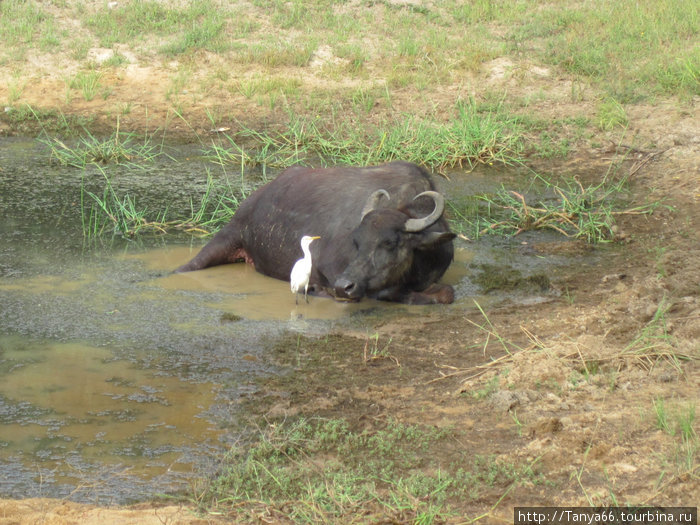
[{"x": 57, "y": 512}]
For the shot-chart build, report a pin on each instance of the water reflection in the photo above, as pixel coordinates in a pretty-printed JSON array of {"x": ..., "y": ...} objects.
[
  {"x": 79, "y": 392},
  {"x": 62, "y": 400}
]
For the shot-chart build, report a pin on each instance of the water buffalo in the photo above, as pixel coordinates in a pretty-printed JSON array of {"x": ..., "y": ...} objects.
[{"x": 382, "y": 232}]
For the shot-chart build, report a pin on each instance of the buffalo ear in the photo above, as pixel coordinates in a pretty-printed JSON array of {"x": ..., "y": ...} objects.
[{"x": 429, "y": 240}]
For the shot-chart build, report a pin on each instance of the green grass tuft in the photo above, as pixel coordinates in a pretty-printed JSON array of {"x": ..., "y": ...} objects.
[
  {"x": 120, "y": 148},
  {"x": 575, "y": 210},
  {"x": 471, "y": 137},
  {"x": 87, "y": 82},
  {"x": 315, "y": 470},
  {"x": 115, "y": 212}
]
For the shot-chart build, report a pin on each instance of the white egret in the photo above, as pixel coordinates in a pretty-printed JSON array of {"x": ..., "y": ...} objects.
[{"x": 299, "y": 278}]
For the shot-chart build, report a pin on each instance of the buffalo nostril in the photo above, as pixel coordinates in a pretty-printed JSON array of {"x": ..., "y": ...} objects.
[{"x": 345, "y": 287}]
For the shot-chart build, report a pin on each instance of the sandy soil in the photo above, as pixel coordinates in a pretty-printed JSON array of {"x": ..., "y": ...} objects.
[
  {"x": 577, "y": 399},
  {"x": 57, "y": 512}
]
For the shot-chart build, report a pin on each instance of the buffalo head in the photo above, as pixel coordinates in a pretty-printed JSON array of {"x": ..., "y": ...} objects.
[{"x": 391, "y": 244}]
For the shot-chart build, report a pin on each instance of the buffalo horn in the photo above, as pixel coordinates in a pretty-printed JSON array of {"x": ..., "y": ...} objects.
[
  {"x": 373, "y": 202},
  {"x": 416, "y": 225}
]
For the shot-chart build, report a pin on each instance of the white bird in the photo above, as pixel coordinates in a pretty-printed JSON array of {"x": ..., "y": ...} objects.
[{"x": 299, "y": 278}]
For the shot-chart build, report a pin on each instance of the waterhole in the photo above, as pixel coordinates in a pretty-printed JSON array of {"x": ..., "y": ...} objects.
[{"x": 119, "y": 380}]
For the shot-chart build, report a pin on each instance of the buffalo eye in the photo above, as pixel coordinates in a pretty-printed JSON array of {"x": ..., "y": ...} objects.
[{"x": 388, "y": 244}]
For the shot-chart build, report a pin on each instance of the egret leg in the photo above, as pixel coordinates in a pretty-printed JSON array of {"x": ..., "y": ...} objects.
[{"x": 306, "y": 289}]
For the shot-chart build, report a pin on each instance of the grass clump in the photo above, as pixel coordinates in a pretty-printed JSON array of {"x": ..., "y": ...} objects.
[
  {"x": 471, "y": 137},
  {"x": 87, "y": 82},
  {"x": 274, "y": 53},
  {"x": 611, "y": 114},
  {"x": 205, "y": 34},
  {"x": 320, "y": 470},
  {"x": 23, "y": 24},
  {"x": 120, "y": 148},
  {"x": 575, "y": 210},
  {"x": 115, "y": 212},
  {"x": 624, "y": 46},
  {"x": 250, "y": 148},
  {"x": 682, "y": 75},
  {"x": 654, "y": 342},
  {"x": 192, "y": 26},
  {"x": 679, "y": 421}
]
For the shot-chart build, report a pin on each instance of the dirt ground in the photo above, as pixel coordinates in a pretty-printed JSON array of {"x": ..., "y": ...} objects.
[{"x": 576, "y": 399}]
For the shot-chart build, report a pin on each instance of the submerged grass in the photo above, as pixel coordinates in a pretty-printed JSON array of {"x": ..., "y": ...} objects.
[
  {"x": 474, "y": 135},
  {"x": 24, "y": 118},
  {"x": 575, "y": 210},
  {"x": 114, "y": 212},
  {"x": 120, "y": 148},
  {"x": 320, "y": 470}
]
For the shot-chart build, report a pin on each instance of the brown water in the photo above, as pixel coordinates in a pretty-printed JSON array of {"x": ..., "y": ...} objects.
[
  {"x": 107, "y": 409},
  {"x": 116, "y": 374},
  {"x": 245, "y": 293},
  {"x": 122, "y": 373}
]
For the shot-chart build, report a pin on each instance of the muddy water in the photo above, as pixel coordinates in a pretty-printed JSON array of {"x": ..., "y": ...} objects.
[
  {"x": 240, "y": 291},
  {"x": 119, "y": 379}
]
